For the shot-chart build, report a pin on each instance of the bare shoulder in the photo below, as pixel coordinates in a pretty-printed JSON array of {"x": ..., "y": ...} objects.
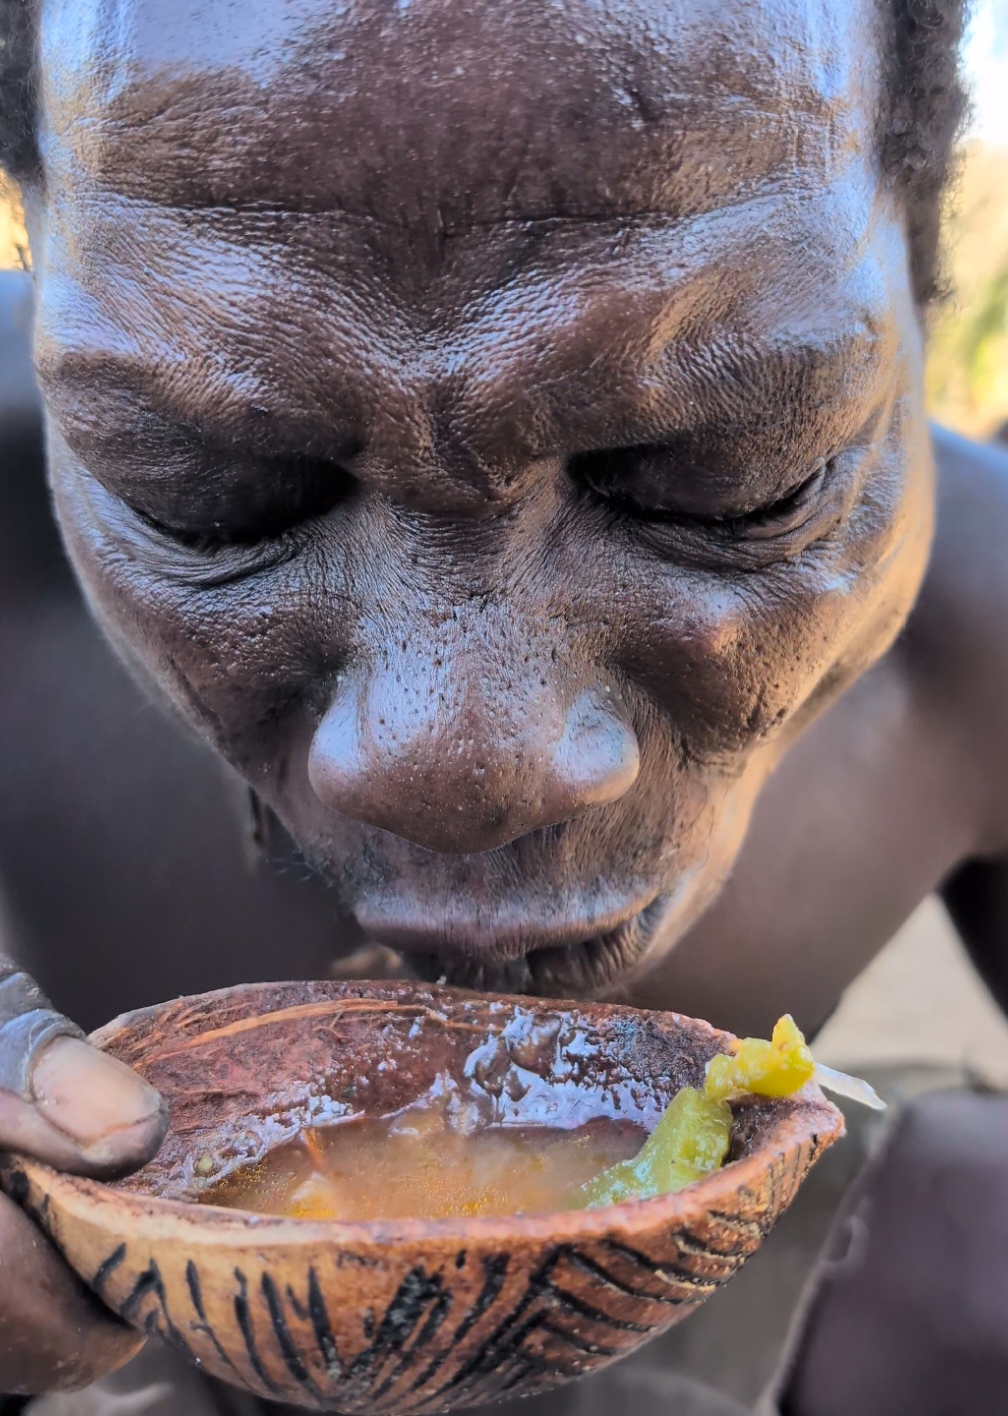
[
  {"x": 966, "y": 590},
  {"x": 955, "y": 647}
]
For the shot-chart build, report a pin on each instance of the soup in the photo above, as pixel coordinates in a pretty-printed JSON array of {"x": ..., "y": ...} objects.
[
  {"x": 427, "y": 1163},
  {"x": 417, "y": 1165}
]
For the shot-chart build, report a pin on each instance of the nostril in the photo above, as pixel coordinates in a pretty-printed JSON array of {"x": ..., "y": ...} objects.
[{"x": 598, "y": 757}]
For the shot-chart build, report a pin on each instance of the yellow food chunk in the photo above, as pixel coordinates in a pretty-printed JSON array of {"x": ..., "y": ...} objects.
[{"x": 775, "y": 1068}]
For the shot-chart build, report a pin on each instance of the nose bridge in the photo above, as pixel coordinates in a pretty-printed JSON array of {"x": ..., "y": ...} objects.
[
  {"x": 463, "y": 654},
  {"x": 437, "y": 686},
  {"x": 467, "y": 729},
  {"x": 428, "y": 451},
  {"x": 467, "y": 685}
]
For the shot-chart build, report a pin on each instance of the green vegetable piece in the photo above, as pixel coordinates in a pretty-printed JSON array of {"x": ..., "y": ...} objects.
[{"x": 690, "y": 1141}]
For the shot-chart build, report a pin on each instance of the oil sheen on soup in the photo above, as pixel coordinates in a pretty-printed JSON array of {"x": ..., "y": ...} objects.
[{"x": 417, "y": 1165}]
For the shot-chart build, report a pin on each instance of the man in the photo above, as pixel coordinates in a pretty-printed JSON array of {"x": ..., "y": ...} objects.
[{"x": 536, "y": 459}]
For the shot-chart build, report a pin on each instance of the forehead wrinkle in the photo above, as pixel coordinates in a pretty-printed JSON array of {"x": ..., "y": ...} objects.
[
  {"x": 644, "y": 286},
  {"x": 146, "y": 120},
  {"x": 503, "y": 359},
  {"x": 217, "y": 273},
  {"x": 207, "y": 329}
]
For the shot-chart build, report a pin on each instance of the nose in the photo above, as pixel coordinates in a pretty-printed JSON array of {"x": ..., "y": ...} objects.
[{"x": 459, "y": 772}]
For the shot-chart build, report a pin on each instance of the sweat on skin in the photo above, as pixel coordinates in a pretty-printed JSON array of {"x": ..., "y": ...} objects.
[{"x": 500, "y": 530}]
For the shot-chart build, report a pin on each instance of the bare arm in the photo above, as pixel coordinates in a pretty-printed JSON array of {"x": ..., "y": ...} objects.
[
  {"x": 977, "y": 900},
  {"x": 969, "y": 612}
]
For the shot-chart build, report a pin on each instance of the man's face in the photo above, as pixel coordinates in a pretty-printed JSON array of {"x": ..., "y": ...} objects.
[{"x": 496, "y": 427}]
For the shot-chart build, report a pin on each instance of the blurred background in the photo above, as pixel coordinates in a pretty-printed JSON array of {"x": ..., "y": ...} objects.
[{"x": 967, "y": 380}]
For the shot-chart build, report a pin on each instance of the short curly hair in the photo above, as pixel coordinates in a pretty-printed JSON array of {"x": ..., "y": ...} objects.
[
  {"x": 18, "y": 148},
  {"x": 921, "y": 114}
]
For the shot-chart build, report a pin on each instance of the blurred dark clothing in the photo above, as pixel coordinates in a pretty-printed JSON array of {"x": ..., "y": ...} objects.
[
  {"x": 157, "y": 1384},
  {"x": 909, "y": 1316}
]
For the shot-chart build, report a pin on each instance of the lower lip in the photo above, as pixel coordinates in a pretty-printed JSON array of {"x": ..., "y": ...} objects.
[{"x": 587, "y": 967}]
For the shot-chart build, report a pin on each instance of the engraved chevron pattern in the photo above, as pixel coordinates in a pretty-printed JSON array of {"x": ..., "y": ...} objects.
[{"x": 443, "y": 1340}]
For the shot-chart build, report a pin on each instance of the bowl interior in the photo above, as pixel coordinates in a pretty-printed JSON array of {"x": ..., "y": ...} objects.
[{"x": 247, "y": 1069}]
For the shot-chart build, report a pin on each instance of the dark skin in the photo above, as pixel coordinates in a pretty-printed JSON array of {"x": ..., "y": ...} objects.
[
  {"x": 509, "y": 600},
  {"x": 521, "y": 482},
  {"x": 896, "y": 791}
]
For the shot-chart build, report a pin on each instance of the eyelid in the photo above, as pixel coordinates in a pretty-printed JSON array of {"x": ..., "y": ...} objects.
[
  {"x": 235, "y": 501},
  {"x": 164, "y": 556},
  {"x": 609, "y": 474},
  {"x": 773, "y": 514},
  {"x": 712, "y": 545},
  {"x": 210, "y": 565}
]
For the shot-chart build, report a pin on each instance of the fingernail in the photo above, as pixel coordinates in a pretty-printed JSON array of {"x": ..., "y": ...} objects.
[{"x": 87, "y": 1094}]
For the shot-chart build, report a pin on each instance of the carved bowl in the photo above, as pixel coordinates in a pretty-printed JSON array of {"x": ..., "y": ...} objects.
[{"x": 411, "y": 1315}]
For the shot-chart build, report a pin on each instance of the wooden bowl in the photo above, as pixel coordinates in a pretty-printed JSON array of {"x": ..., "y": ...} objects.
[{"x": 411, "y": 1315}]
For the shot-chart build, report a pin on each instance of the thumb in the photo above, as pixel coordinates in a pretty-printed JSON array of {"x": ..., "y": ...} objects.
[{"x": 61, "y": 1100}]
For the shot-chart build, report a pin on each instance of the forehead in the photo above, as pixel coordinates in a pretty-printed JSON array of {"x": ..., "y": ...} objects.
[
  {"x": 378, "y": 220},
  {"x": 448, "y": 113}
]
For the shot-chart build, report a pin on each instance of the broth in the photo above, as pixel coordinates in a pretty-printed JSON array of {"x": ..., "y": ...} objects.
[{"x": 416, "y": 1165}]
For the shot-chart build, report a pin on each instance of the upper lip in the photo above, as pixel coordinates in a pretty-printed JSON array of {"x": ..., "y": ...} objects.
[{"x": 497, "y": 935}]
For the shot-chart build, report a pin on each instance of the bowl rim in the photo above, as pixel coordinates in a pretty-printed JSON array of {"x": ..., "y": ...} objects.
[{"x": 807, "y": 1117}]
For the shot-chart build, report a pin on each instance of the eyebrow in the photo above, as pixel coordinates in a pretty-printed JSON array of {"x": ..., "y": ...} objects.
[
  {"x": 256, "y": 432},
  {"x": 716, "y": 372},
  {"x": 251, "y": 422},
  {"x": 790, "y": 367}
]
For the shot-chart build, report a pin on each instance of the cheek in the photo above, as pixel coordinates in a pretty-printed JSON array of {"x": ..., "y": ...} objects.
[
  {"x": 732, "y": 659},
  {"x": 231, "y": 659},
  {"x": 728, "y": 662}
]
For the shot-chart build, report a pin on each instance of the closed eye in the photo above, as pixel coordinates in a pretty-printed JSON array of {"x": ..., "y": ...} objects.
[
  {"x": 241, "y": 505},
  {"x": 670, "y": 485},
  {"x": 777, "y": 518},
  {"x": 692, "y": 510}
]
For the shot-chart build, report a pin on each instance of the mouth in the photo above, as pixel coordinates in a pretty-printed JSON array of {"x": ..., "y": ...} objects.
[{"x": 580, "y": 968}]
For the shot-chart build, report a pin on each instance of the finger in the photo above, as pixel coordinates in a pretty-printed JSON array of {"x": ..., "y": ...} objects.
[
  {"x": 54, "y": 1334},
  {"x": 63, "y": 1101}
]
